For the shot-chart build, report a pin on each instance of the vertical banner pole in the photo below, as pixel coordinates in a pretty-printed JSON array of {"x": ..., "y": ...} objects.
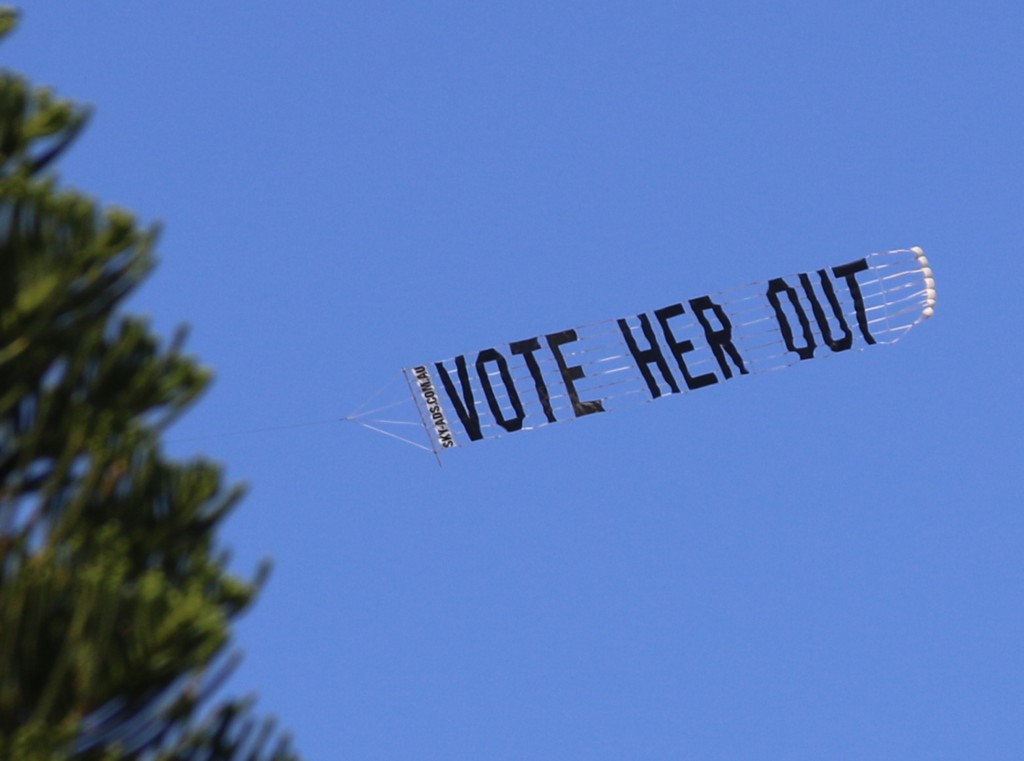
[{"x": 423, "y": 421}]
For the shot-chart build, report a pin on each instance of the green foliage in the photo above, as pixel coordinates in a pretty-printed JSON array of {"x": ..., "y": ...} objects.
[{"x": 115, "y": 604}]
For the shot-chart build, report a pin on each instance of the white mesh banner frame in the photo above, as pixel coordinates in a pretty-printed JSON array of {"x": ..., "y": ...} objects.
[{"x": 697, "y": 342}]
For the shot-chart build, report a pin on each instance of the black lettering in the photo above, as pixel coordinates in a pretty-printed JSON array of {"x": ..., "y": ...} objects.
[
  {"x": 493, "y": 355},
  {"x": 571, "y": 374},
  {"x": 464, "y": 406},
  {"x": 775, "y": 286},
  {"x": 846, "y": 341},
  {"x": 849, "y": 272},
  {"x": 720, "y": 339},
  {"x": 527, "y": 347},
  {"x": 434, "y": 410},
  {"x": 648, "y": 356},
  {"x": 679, "y": 348}
]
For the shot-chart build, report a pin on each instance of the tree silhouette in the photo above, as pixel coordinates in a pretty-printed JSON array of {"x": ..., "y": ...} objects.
[{"x": 115, "y": 602}]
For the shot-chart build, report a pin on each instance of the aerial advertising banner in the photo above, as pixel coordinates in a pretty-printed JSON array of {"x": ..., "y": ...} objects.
[{"x": 677, "y": 348}]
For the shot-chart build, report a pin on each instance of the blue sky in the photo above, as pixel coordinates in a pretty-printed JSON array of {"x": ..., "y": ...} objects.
[{"x": 819, "y": 563}]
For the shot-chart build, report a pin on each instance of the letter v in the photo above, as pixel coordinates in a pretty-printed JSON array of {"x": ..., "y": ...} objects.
[{"x": 464, "y": 406}]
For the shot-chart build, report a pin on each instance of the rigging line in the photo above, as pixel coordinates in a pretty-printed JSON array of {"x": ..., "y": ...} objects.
[
  {"x": 392, "y": 422},
  {"x": 251, "y": 430},
  {"x": 356, "y": 412},
  {"x": 355, "y": 415},
  {"x": 392, "y": 435}
]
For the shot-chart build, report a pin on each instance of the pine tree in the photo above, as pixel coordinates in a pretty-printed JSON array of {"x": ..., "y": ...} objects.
[{"x": 115, "y": 602}]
